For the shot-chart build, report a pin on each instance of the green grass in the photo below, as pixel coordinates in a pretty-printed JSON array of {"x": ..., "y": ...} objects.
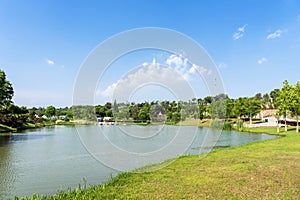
[
  {"x": 262, "y": 170},
  {"x": 4, "y": 128}
]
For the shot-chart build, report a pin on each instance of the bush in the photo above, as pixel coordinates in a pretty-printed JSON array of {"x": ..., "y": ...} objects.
[
  {"x": 221, "y": 124},
  {"x": 240, "y": 124}
]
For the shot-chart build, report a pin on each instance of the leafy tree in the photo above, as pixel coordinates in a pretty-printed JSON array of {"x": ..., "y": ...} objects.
[
  {"x": 258, "y": 96},
  {"x": 253, "y": 107},
  {"x": 176, "y": 117},
  {"x": 50, "y": 111},
  {"x": 240, "y": 107},
  {"x": 143, "y": 114},
  {"x": 69, "y": 114},
  {"x": 100, "y": 111},
  {"x": 274, "y": 94},
  {"x": 218, "y": 109},
  {"x": 201, "y": 107},
  {"x": 295, "y": 102},
  {"x": 284, "y": 100},
  {"x": 169, "y": 116},
  {"x": 135, "y": 112},
  {"x": 208, "y": 100},
  {"x": 6, "y": 90},
  {"x": 266, "y": 100},
  {"x": 84, "y": 113},
  {"x": 229, "y": 108}
]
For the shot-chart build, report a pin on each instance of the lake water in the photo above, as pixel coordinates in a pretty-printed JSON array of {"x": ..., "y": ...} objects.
[{"x": 55, "y": 158}]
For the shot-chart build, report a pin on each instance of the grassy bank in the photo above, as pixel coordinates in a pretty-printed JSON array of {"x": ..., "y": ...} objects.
[{"x": 262, "y": 170}]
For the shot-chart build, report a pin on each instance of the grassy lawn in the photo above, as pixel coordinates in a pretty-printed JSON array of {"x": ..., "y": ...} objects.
[{"x": 262, "y": 170}]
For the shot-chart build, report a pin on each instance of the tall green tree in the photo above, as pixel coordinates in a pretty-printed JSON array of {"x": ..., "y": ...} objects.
[
  {"x": 50, "y": 111},
  {"x": 284, "y": 100},
  {"x": 274, "y": 94},
  {"x": 240, "y": 107},
  {"x": 253, "y": 107},
  {"x": 295, "y": 102},
  {"x": 6, "y": 90},
  {"x": 201, "y": 107}
]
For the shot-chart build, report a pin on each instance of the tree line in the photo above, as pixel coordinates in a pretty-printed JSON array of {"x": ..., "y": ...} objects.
[{"x": 286, "y": 100}]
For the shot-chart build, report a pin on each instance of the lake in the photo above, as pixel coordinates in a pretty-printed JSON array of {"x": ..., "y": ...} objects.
[{"x": 56, "y": 158}]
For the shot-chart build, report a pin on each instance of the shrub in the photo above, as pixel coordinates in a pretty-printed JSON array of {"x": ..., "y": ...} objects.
[
  {"x": 240, "y": 124},
  {"x": 221, "y": 124}
]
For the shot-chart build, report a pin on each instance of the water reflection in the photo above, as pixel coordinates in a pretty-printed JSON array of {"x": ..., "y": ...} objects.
[{"x": 47, "y": 159}]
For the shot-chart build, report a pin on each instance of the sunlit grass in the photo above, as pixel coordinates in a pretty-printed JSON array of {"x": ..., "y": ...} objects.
[{"x": 262, "y": 170}]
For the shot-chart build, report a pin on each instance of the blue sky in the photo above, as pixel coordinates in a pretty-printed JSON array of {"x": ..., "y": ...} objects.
[{"x": 255, "y": 44}]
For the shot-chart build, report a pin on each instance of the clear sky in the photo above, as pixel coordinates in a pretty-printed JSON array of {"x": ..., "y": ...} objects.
[{"x": 254, "y": 43}]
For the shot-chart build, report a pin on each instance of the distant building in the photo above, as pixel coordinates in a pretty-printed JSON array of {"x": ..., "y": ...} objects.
[{"x": 161, "y": 117}]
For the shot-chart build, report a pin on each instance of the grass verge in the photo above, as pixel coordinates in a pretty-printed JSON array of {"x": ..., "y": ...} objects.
[{"x": 263, "y": 170}]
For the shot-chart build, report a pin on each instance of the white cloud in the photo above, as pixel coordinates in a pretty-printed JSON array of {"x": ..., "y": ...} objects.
[
  {"x": 242, "y": 29},
  {"x": 178, "y": 73},
  {"x": 50, "y": 62},
  {"x": 152, "y": 73},
  {"x": 183, "y": 67},
  {"x": 240, "y": 32},
  {"x": 180, "y": 65},
  {"x": 177, "y": 61},
  {"x": 276, "y": 34},
  {"x": 200, "y": 69},
  {"x": 262, "y": 60},
  {"x": 237, "y": 35},
  {"x": 108, "y": 91}
]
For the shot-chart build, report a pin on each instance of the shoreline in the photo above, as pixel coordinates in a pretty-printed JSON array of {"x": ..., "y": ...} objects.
[
  {"x": 125, "y": 177},
  {"x": 191, "y": 122}
]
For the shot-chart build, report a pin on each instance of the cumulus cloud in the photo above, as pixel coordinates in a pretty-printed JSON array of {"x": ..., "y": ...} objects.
[
  {"x": 276, "y": 34},
  {"x": 177, "y": 60},
  {"x": 262, "y": 60},
  {"x": 180, "y": 65},
  {"x": 240, "y": 32},
  {"x": 108, "y": 92},
  {"x": 50, "y": 62},
  {"x": 176, "y": 75},
  {"x": 152, "y": 73},
  {"x": 200, "y": 69}
]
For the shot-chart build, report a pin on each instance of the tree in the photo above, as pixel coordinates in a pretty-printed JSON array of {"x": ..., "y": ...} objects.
[
  {"x": 201, "y": 107},
  {"x": 284, "y": 100},
  {"x": 295, "y": 102},
  {"x": 6, "y": 90},
  {"x": 240, "y": 107},
  {"x": 218, "y": 109},
  {"x": 274, "y": 94},
  {"x": 253, "y": 107},
  {"x": 50, "y": 111},
  {"x": 266, "y": 101},
  {"x": 143, "y": 114}
]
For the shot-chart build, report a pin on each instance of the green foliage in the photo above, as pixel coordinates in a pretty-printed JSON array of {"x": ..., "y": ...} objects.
[
  {"x": 247, "y": 107},
  {"x": 143, "y": 114},
  {"x": 6, "y": 90},
  {"x": 221, "y": 124},
  {"x": 274, "y": 94},
  {"x": 85, "y": 113},
  {"x": 50, "y": 111},
  {"x": 240, "y": 125}
]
